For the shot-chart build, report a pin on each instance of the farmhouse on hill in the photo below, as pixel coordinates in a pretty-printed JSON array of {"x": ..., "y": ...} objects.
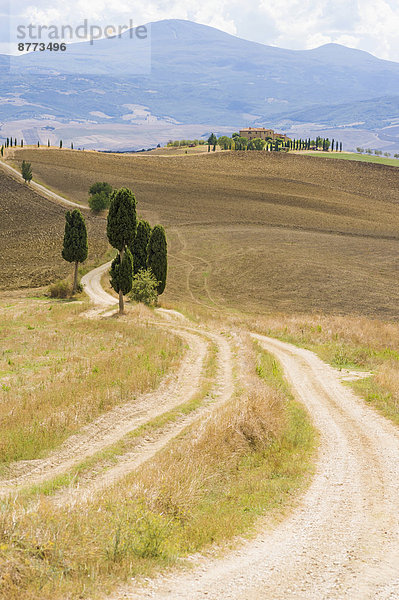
[{"x": 260, "y": 132}]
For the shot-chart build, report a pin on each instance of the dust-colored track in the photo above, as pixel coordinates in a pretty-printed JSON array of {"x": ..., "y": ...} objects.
[
  {"x": 222, "y": 391},
  {"x": 342, "y": 542},
  {"x": 112, "y": 426},
  {"x": 43, "y": 191}
]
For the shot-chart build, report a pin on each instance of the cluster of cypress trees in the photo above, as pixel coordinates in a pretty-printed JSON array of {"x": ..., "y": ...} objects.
[
  {"x": 318, "y": 144},
  {"x": 139, "y": 247}
]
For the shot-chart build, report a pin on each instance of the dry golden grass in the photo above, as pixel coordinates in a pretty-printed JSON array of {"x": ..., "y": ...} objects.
[
  {"x": 59, "y": 370},
  {"x": 261, "y": 232},
  {"x": 209, "y": 485}
]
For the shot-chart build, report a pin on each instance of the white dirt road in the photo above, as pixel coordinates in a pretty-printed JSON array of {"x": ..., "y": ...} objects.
[
  {"x": 342, "y": 541},
  {"x": 43, "y": 191}
]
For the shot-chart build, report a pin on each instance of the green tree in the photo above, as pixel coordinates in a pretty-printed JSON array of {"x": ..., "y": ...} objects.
[
  {"x": 2, "y": 151},
  {"x": 99, "y": 202},
  {"x": 225, "y": 142},
  {"x": 121, "y": 231},
  {"x": 48, "y": 143},
  {"x": 256, "y": 144},
  {"x": 22, "y": 143},
  {"x": 26, "y": 171},
  {"x": 122, "y": 274},
  {"x": 75, "y": 247},
  {"x": 100, "y": 196},
  {"x": 157, "y": 256},
  {"x": 212, "y": 140},
  {"x": 140, "y": 245},
  {"x": 144, "y": 287},
  {"x": 241, "y": 143},
  {"x": 60, "y": 143}
]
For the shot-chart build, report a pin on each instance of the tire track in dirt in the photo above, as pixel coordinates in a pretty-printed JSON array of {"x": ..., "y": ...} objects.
[
  {"x": 113, "y": 425},
  {"x": 220, "y": 393},
  {"x": 342, "y": 541}
]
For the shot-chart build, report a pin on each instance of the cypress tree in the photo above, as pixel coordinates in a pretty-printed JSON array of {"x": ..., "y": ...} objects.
[
  {"x": 140, "y": 245},
  {"x": 11, "y": 142},
  {"x": 121, "y": 231},
  {"x": 332, "y": 144},
  {"x": 75, "y": 247},
  {"x": 38, "y": 144},
  {"x": 157, "y": 255},
  {"x": 340, "y": 146},
  {"x": 48, "y": 143},
  {"x": 2, "y": 151},
  {"x": 22, "y": 143},
  {"x": 7, "y": 143},
  {"x": 15, "y": 142},
  {"x": 26, "y": 171},
  {"x": 60, "y": 143},
  {"x": 122, "y": 273}
]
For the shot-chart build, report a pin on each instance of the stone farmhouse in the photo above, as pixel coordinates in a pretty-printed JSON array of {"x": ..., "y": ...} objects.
[{"x": 260, "y": 132}]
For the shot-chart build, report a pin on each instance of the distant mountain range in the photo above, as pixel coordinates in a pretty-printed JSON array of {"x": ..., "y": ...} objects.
[{"x": 200, "y": 79}]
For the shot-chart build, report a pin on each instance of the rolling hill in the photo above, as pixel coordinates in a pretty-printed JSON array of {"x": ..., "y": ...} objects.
[{"x": 257, "y": 231}]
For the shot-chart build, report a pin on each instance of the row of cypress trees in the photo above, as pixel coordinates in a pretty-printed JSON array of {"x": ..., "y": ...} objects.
[
  {"x": 10, "y": 142},
  {"x": 139, "y": 247}
]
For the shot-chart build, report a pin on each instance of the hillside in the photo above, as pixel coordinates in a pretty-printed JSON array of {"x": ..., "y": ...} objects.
[
  {"x": 31, "y": 233},
  {"x": 258, "y": 231},
  {"x": 194, "y": 76}
]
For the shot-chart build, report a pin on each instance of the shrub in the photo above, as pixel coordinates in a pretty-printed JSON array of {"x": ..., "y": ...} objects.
[
  {"x": 100, "y": 196},
  {"x": 60, "y": 289},
  {"x": 99, "y": 202},
  {"x": 144, "y": 288}
]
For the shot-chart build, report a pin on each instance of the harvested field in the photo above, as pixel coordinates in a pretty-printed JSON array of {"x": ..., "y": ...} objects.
[
  {"x": 258, "y": 231},
  {"x": 31, "y": 233}
]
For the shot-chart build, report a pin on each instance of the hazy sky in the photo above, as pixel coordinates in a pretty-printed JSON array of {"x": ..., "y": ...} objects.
[{"x": 371, "y": 25}]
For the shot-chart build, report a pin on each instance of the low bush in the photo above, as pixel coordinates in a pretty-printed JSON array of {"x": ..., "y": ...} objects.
[
  {"x": 60, "y": 289},
  {"x": 144, "y": 288}
]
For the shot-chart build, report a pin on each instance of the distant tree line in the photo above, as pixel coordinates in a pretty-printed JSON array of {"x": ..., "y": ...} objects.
[
  {"x": 236, "y": 142},
  {"x": 182, "y": 143},
  {"x": 375, "y": 152},
  {"x": 13, "y": 142}
]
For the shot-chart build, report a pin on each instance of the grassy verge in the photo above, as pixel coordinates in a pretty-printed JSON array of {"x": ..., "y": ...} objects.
[
  {"x": 106, "y": 458},
  {"x": 354, "y": 343},
  {"x": 392, "y": 162},
  {"x": 59, "y": 371},
  {"x": 208, "y": 486}
]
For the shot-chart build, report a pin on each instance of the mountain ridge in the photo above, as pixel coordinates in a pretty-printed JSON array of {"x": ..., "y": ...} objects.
[{"x": 199, "y": 75}]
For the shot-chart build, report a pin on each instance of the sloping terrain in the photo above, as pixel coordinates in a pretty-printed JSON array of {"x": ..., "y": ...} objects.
[
  {"x": 31, "y": 233},
  {"x": 259, "y": 231}
]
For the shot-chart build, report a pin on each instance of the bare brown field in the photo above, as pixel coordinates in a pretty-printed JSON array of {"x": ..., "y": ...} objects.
[
  {"x": 257, "y": 231},
  {"x": 31, "y": 234}
]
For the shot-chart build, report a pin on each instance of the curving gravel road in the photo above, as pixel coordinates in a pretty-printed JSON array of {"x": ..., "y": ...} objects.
[{"x": 342, "y": 542}]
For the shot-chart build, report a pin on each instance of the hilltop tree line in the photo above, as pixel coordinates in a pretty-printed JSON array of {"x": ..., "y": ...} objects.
[
  {"x": 140, "y": 267},
  {"x": 237, "y": 142},
  {"x": 11, "y": 142}
]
